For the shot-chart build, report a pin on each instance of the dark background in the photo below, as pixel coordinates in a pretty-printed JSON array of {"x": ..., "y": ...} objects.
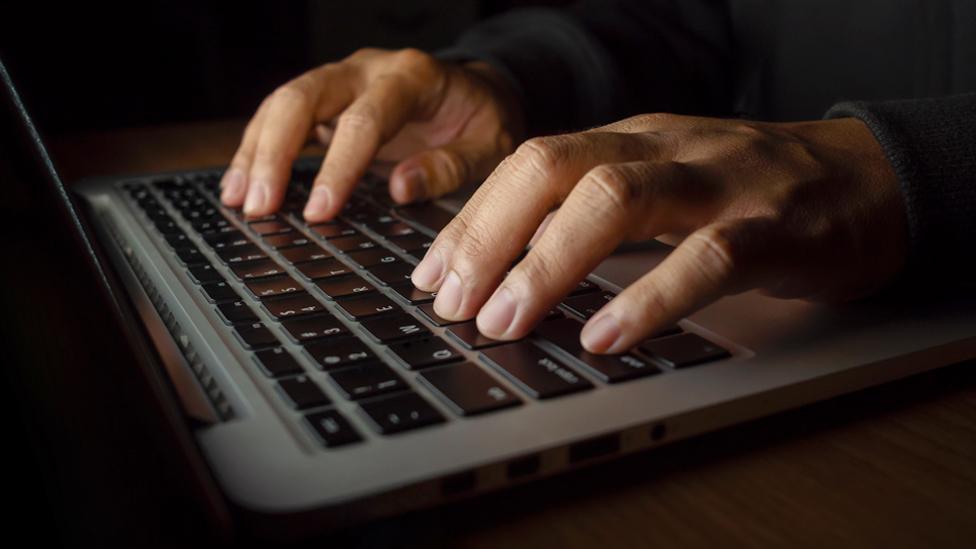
[
  {"x": 96, "y": 66},
  {"x": 77, "y": 427}
]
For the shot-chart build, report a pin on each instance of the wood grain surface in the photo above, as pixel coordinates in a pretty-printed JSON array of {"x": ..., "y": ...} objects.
[{"x": 894, "y": 466}]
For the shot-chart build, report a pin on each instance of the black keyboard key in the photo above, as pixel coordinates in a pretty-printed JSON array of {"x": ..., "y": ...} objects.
[
  {"x": 277, "y": 363},
  {"x": 367, "y": 380},
  {"x": 323, "y": 268},
  {"x": 314, "y": 327},
  {"x": 679, "y": 351},
  {"x": 535, "y": 371},
  {"x": 428, "y": 310},
  {"x": 275, "y": 226},
  {"x": 391, "y": 273},
  {"x": 415, "y": 244},
  {"x": 236, "y": 312},
  {"x": 218, "y": 292},
  {"x": 393, "y": 229},
  {"x": 344, "y": 286},
  {"x": 240, "y": 254},
  {"x": 353, "y": 243},
  {"x": 588, "y": 304},
  {"x": 190, "y": 255},
  {"x": 333, "y": 230},
  {"x": 293, "y": 305},
  {"x": 425, "y": 352},
  {"x": 221, "y": 241},
  {"x": 396, "y": 327},
  {"x": 427, "y": 215},
  {"x": 469, "y": 390},
  {"x": 332, "y": 428},
  {"x": 301, "y": 393},
  {"x": 304, "y": 254},
  {"x": 412, "y": 294},
  {"x": 467, "y": 333},
  {"x": 584, "y": 287},
  {"x": 178, "y": 240},
  {"x": 261, "y": 268},
  {"x": 565, "y": 334},
  {"x": 274, "y": 286},
  {"x": 398, "y": 413},
  {"x": 213, "y": 226},
  {"x": 377, "y": 256},
  {"x": 289, "y": 240},
  {"x": 167, "y": 227},
  {"x": 332, "y": 354},
  {"x": 255, "y": 336},
  {"x": 372, "y": 304},
  {"x": 205, "y": 273}
]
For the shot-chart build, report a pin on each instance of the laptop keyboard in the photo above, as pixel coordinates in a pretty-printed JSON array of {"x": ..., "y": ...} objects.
[{"x": 341, "y": 291}]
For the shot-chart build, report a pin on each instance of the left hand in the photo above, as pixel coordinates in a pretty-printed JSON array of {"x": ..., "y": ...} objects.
[{"x": 809, "y": 209}]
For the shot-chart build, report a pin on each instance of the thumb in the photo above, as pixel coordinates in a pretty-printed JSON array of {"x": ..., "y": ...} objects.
[{"x": 434, "y": 172}]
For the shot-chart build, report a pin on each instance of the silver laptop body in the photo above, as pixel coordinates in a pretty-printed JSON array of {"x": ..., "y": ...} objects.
[{"x": 272, "y": 463}]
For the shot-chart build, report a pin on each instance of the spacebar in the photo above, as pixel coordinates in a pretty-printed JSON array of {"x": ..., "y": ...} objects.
[{"x": 426, "y": 214}]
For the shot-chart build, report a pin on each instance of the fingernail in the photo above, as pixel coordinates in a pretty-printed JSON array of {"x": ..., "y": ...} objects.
[
  {"x": 448, "y": 299},
  {"x": 415, "y": 185},
  {"x": 497, "y": 315},
  {"x": 600, "y": 334},
  {"x": 233, "y": 185},
  {"x": 257, "y": 196},
  {"x": 428, "y": 271},
  {"x": 318, "y": 203}
]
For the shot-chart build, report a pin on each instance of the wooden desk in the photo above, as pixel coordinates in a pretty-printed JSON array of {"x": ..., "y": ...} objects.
[{"x": 890, "y": 467}]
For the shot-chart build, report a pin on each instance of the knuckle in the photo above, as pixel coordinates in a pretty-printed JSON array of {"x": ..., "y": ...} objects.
[
  {"x": 475, "y": 242},
  {"x": 414, "y": 60},
  {"x": 653, "y": 120},
  {"x": 364, "y": 117},
  {"x": 364, "y": 53},
  {"x": 716, "y": 251},
  {"x": 654, "y": 297},
  {"x": 536, "y": 271},
  {"x": 292, "y": 93},
  {"x": 609, "y": 185},
  {"x": 540, "y": 154},
  {"x": 457, "y": 169}
]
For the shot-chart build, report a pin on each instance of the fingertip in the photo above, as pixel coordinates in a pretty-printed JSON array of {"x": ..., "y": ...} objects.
[
  {"x": 409, "y": 185},
  {"x": 319, "y": 204},
  {"x": 602, "y": 334},
  {"x": 234, "y": 187},
  {"x": 257, "y": 199}
]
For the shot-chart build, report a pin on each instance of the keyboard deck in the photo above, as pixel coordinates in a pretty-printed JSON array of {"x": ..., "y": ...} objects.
[{"x": 341, "y": 293}]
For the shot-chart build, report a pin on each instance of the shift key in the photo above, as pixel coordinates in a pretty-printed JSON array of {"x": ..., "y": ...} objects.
[{"x": 535, "y": 371}]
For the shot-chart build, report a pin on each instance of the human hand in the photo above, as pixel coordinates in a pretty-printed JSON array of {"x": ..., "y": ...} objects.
[
  {"x": 809, "y": 209},
  {"x": 445, "y": 124}
]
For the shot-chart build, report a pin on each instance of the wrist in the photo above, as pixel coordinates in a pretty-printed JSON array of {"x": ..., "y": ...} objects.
[{"x": 504, "y": 93}]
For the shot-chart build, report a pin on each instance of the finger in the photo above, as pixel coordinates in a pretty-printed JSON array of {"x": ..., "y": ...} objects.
[
  {"x": 542, "y": 228},
  {"x": 372, "y": 119},
  {"x": 719, "y": 259},
  {"x": 234, "y": 182},
  {"x": 600, "y": 212},
  {"x": 436, "y": 172},
  {"x": 291, "y": 111},
  {"x": 469, "y": 257}
]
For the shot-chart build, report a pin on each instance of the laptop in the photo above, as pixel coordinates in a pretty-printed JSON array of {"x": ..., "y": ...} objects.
[{"x": 313, "y": 386}]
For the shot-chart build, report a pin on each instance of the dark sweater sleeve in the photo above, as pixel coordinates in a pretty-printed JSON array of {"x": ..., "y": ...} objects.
[
  {"x": 931, "y": 144},
  {"x": 602, "y": 60}
]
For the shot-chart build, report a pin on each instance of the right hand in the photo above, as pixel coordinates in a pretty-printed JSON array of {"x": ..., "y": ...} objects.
[{"x": 444, "y": 124}]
